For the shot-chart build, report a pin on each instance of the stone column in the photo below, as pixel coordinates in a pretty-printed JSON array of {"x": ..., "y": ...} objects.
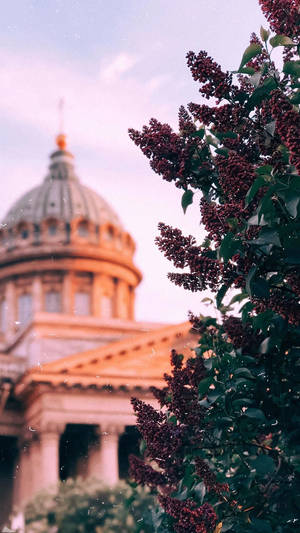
[
  {"x": 49, "y": 436},
  {"x": 122, "y": 300},
  {"x": 132, "y": 303},
  {"x": 109, "y": 454},
  {"x": 96, "y": 295},
  {"x": 37, "y": 293},
  {"x": 10, "y": 300},
  {"x": 24, "y": 471},
  {"x": 67, "y": 293}
]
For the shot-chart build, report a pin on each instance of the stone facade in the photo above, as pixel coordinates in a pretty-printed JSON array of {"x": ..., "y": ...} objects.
[{"x": 72, "y": 354}]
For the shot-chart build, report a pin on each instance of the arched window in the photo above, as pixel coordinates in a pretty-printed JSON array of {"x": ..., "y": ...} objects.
[
  {"x": 82, "y": 303},
  {"x": 23, "y": 231},
  {"x": 52, "y": 228},
  {"x": 53, "y": 302},
  {"x": 107, "y": 307},
  {"x": 24, "y": 308},
  {"x": 3, "y": 316},
  {"x": 109, "y": 234},
  {"x": 83, "y": 229}
]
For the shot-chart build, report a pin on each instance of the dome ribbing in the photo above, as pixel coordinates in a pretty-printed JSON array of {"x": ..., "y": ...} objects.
[{"x": 61, "y": 196}]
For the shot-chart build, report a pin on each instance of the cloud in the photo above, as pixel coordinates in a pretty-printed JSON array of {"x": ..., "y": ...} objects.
[
  {"x": 122, "y": 63},
  {"x": 99, "y": 108}
]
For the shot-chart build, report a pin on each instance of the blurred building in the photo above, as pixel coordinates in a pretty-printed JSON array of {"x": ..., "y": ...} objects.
[{"x": 72, "y": 353}]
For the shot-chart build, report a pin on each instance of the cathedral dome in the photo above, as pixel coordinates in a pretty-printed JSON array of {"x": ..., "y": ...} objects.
[
  {"x": 61, "y": 196},
  {"x": 64, "y": 251}
]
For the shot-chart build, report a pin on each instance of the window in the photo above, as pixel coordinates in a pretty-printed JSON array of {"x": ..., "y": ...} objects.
[
  {"x": 109, "y": 234},
  {"x": 83, "y": 229},
  {"x": 106, "y": 307},
  {"x": 24, "y": 233},
  {"x": 24, "y": 309},
  {"x": 82, "y": 303},
  {"x": 53, "y": 302},
  {"x": 52, "y": 229},
  {"x": 3, "y": 307}
]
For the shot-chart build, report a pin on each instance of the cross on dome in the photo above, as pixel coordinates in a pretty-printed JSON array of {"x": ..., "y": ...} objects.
[{"x": 61, "y": 137}]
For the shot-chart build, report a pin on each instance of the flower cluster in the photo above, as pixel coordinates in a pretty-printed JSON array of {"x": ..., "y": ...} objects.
[
  {"x": 216, "y": 82},
  {"x": 224, "y": 118},
  {"x": 283, "y": 16},
  {"x": 182, "y": 251},
  {"x": 185, "y": 123},
  {"x": 176, "y": 247},
  {"x": 189, "y": 518},
  {"x": 216, "y": 218},
  {"x": 163, "y": 438},
  {"x": 204, "y": 472},
  {"x": 144, "y": 474},
  {"x": 287, "y": 125},
  {"x": 169, "y": 153},
  {"x": 240, "y": 335},
  {"x": 236, "y": 176},
  {"x": 287, "y": 307}
]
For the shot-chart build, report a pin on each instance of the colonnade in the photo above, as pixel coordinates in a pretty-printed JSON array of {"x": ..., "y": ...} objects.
[{"x": 39, "y": 462}]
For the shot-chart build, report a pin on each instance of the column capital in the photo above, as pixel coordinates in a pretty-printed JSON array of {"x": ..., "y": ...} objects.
[
  {"x": 51, "y": 427},
  {"x": 111, "y": 429},
  {"x": 26, "y": 437}
]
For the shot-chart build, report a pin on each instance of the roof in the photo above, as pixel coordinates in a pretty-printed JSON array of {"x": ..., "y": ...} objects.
[
  {"x": 61, "y": 196},
  {"x": 136, "y": 362}
]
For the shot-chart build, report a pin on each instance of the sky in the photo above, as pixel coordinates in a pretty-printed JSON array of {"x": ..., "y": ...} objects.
[{"x": 116, "y": 64}]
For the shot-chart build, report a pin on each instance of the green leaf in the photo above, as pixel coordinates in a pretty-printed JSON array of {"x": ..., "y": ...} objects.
[
  {"x": 243, "y": 373},
  {"x": 222, "y": 151},
  {"x": 227, "y": 525},
  {"x": 281, "y": 40},
  {"x": 225, "y": 135},
  {"x": 263, "y": 170},
  {"x": 249, "y": 278},
  {"x": 257, "y": 414},
  {"x": 292, "y": 252},
  {"x": 256, "y": 185},
  {"x": 292, "y": 68},
  {"x": 246, "y": 310},
  {"x": 261, "y": 93},
  {"x": 266, "y": 345},
  {"x": 242, "y": 402},
  {"x": 212, "y": 397},
  {"x": 211, "y": 140},
  {"x": 221, "y": 293},
  {"x": 204, "y": 385},
  {"x": 260, "y": 288},
  {"x": 238, "y": 298},
  {"x": 295, "y": 99},
  {"x": 200, "y": 491},
  {"x": 267, "y": 236},
  {"x": 262, "y": 320},
  {"x": 251, "y": 51},
  {"x": 255, "y": 78},
  {"x": 264, "y": 464},
  {"x": 199, "y": 133},
  {"x": 245, "y": 70},
  {"x": 187, "y": 199},
  {"x": 265, "y": 34},
  {"x": 291, "y": 199},
  {"x": 143, "y": 446},
  {"x": 261, "y": 526},
  {"x": 229, "y": 246}
]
